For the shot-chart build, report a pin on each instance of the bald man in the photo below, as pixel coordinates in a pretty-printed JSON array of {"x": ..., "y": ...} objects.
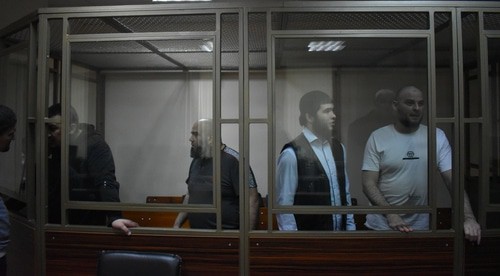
[
  {"x": 200, "y": 182},
  {"x": 395, "y": 170}
]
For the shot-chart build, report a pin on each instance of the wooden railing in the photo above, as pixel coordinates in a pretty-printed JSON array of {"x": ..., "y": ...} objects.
[
  {"x": 156, "y": 219},
  {"x": 167, "y": 219},
  {"x": 75, "y": 253}
]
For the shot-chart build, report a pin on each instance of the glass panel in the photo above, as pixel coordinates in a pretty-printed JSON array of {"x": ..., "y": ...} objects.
[
  {"x": 494, "y": 102},
  {"x": 473, "y": 165},
  {"x": 230, "y": 86},
  {"x": 349, "y": 20},
  {"x": 230, "y": 95},
  {"x": 121, "y": 143},
  {"x": 14, "y": 87},
  {"x": 470, "y": 44},
  {"x": 493, "y": 220},
  {"x": 53, "y": 147},
  {"x": 55, "y": 35},
  {"x": 258, "y": 61},
  {"x": 257, "y": 40},
  {"x": 492, "y": 21},
  {"x": 441, "y": 193},
  {"x": 357, "y": 78},
  {"x": 136, "y": 24},
  {"x": 444, "y": 65},
  {"x": 161, "y": 103},
  {"x": 259, "y": 162}
]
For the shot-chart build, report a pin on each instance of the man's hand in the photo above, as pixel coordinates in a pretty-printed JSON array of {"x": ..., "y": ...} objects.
[
  {"x": 472, "y": 230},
  {"x": 123, "y": 225},
  {"x": 397, "y": 223}
]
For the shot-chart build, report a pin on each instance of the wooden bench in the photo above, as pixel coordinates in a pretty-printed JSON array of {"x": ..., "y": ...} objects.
[
  {"x": 164, "y": 199},
  {"x": 443, "y": 220},
  {"x": 156, "y": 219},
  {"x": 153, "y": 219}
]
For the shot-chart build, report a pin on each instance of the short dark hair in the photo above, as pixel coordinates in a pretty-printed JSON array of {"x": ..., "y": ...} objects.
[
  {"x": 56, "y": 109},
  {"x": 310, "y": 103},
  {"x": 8, "y": 119}
]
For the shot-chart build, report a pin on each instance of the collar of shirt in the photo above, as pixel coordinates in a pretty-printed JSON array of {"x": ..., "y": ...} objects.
[{"x": 312, "y": 138}]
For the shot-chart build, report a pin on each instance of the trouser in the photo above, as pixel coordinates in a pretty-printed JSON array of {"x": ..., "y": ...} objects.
[{"x": 3, "y": 266}]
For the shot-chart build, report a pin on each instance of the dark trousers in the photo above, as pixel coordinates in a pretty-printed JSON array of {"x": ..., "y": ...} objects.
[{"x": 3, "y": 266}]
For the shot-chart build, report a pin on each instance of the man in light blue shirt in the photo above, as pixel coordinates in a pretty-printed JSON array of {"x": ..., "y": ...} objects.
[{"x": 311, "y": 169}]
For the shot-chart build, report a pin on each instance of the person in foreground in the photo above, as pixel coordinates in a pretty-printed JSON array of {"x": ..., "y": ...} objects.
[
  {"x": 8, "y": 122},
  {"x": 200, "y": 182},
  {"x": 91, "y": 174},
  {"x": 311, "y": 169},
  {"x": 395, "y": 168}
]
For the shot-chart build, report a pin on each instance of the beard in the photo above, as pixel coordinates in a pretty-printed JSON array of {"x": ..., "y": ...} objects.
[
  {"x": 322, "y": 131},
  {"x": 195, "y": 152},
  {"x": 5, "y": 148},
  {"x": 410, "y": 124}
]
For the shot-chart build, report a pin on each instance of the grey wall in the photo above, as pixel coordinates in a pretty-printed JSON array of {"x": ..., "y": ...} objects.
[
  {"x": 149, "y": 117},
  {"x": 12, "y": 10}
]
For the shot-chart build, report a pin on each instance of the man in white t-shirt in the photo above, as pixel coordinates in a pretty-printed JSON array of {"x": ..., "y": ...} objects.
[{"x": 395, "y": 168}]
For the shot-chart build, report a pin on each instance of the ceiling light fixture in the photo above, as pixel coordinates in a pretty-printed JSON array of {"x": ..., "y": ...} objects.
[
  {"x": 182, "y": 0},
  {"x": 207, "y": 46},
  {"x": 326, "y": 46}
]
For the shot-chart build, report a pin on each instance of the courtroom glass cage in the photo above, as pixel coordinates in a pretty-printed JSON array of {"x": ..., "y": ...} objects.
[
  {"x": 94, "y": 61},
  {"x": 140, "y": 78}
]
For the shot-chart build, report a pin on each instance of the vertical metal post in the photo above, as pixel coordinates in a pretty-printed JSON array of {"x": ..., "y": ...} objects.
[{"x": 41, "y": 164}]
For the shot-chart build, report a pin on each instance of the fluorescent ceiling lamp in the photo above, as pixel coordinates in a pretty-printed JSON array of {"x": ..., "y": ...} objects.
[
  {"x": 182, "y": 0},
  {"x": 208, "y": 46},
  {"x": 326, "y": 46}
]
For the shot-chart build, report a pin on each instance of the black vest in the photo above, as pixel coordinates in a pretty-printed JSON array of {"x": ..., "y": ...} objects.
[{"x": 313, "y": 185}]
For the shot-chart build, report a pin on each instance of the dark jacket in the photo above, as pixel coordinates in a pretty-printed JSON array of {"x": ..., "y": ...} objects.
[
  {"x": 313, "y": 185},
  {"x": 91, "y": 178}
]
